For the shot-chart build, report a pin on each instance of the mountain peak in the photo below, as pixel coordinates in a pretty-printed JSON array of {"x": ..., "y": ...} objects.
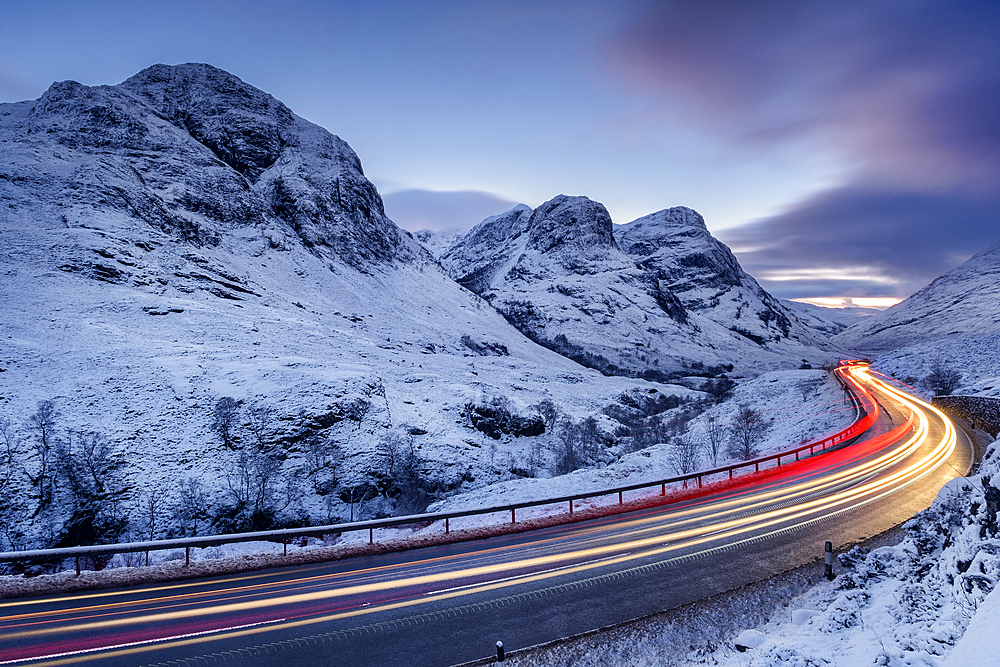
[
  {"x": 194, "y": 151},
  {"x": 566, "y": 222}
]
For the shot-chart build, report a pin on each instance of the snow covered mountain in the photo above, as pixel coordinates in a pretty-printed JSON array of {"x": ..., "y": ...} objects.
[
  {"x": 676, "y": 246},
  {"x": 182, "y": 238},
  {"x": 963, "y": 302},
  {"x": 656, "y": 296},
  {"x": 830, "y": 321}
]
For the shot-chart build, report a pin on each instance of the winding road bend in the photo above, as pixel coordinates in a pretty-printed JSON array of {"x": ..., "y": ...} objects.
[{"x": 449, "y": 604}]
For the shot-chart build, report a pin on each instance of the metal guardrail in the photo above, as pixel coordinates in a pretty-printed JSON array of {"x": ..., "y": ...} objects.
[{"x": 867, "y": 410}]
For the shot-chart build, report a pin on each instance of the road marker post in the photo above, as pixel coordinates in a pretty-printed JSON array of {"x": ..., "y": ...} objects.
[
  {"x": 500, "y": 655},
  {"x": 828, "y": 570}
]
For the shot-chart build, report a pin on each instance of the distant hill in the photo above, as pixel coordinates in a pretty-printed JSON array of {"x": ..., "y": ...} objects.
[{"x": 963, "y": 302}]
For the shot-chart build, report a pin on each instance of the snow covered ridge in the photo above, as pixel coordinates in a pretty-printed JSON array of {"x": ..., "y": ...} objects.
[
  {"x": 961, "y": 303},
  {"x": 645, "y": 298},
  {"x": 973, "y": 361}
]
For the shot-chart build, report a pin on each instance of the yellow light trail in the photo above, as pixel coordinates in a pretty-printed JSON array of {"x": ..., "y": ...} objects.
[{"x": 804, "y": 512}]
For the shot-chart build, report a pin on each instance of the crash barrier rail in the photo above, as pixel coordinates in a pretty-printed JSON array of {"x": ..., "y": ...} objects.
[
  {"x": 980, "y": 411},
  {"x": 867, "y": 415}
]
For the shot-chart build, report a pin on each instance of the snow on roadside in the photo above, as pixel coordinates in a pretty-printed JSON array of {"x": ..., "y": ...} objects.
[
  {"x": 799, "y": 406},
  {"x": 976, "y": 358},
  {"x": 929, "y": 600}
]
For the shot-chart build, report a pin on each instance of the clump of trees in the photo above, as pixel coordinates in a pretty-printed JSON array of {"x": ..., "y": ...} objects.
[{"x": 67, "y": 483}]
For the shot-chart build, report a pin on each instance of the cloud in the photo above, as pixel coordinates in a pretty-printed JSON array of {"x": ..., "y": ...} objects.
[
  {"x": 907, "y": 94},
  {"x": 437, "y": 210},
  {"x": 864, "y": 241}
]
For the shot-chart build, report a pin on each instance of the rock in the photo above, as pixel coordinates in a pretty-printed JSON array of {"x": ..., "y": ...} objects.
[{"x": 749, "y": 639}]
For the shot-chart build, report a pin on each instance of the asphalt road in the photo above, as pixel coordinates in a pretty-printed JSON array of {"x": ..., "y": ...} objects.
[{"x": 450, "y": 604}]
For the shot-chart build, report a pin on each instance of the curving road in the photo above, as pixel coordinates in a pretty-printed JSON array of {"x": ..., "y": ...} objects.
[{"x": 447, "y": 605}]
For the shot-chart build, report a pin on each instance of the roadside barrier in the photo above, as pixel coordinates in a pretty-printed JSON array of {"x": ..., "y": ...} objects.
[{"x": 867, "y": 415}]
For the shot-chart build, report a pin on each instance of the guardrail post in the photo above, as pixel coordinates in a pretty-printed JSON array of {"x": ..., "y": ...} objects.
[
  {"x": 446, "y": 526},
  {"x": 371, "y": 536},
  {"x": 78, "y": 566},
  {"x": 571, "y": 507},
  {"x": 285, "y": 544},
  {"x": 513, "y": 517},
  {"x": 756, "y": 467},
  {"x": 663, "y": 489},
  {"x": 187, "y": 556},
  {"x": 730, "y": 473},
  {"x": 699, "y": 481},
  {"x": 619, "y": 497}
]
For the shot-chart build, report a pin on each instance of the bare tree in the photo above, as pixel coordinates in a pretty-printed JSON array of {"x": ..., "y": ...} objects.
[
  {"x": 43, "y": 423},
  {"x": 943, "y": 380},
  {"x": 260, "y": 423},
  {"x": 390, "y": 449},
  {"x": 549, "y": 413},
  {"x": 225, "y": 417},
  {"x": 536, "y": 458},
  {"x": 715, "y": 440},
  {"x": 151, "y": 505},
  {"x": 192, "y": 507},
  {"x": 684, "y": 454},
  {"x": 746, "y": 432},
  {"x": 12, "y": 512},
  {"x": 250, "y": 479},
  {"x": 322, "y": 463}
]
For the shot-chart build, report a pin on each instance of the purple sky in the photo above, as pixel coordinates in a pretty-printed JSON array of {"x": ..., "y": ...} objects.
[{"x": 840, "y": 148}]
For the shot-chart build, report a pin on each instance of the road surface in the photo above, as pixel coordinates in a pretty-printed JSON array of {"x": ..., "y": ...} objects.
[{"x": 450, "y": 604}]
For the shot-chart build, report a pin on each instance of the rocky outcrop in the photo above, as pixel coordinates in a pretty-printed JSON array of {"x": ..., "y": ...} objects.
[
  {"x": 194, "y": 151},
  {"x": 656, "y": 297},
  {"x": 676, "y": 247}
]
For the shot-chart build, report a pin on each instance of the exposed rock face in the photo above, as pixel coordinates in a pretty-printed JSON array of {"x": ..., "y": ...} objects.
[
  {"x": 193, "y": 151},
  {"x": 963, "y": 302},
  {"x": 676, "y": 247},
  {"x": 643, "y": 299}
]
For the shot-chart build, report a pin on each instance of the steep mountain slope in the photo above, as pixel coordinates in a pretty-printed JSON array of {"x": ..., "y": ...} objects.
[
  {"x": 963, "y": 302},
  {"x": 677, "y": 248},
  {"x": 659, "y": 295},
  {"x": 184, "y": 237}
]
